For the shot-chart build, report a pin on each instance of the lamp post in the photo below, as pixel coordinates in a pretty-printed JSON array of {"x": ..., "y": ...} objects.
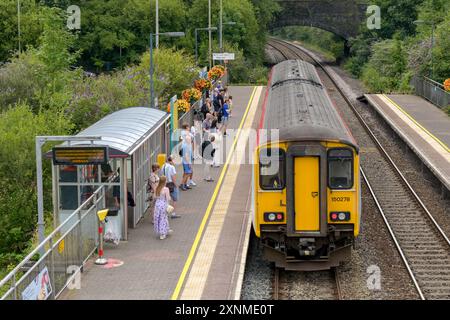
[
  {"x": 230, "y": 23},
  {"x": 418, "y": 22},
  {"x": 152, "y": 69},
  {"x": 18, "y": 24},
  {"x": 196, "y": 40},
  {"x": 210, "y": 34},
  {"x": 157, "y": 23}
]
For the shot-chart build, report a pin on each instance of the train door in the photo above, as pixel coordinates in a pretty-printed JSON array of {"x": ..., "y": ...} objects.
[{"x": 307, "y": 194}]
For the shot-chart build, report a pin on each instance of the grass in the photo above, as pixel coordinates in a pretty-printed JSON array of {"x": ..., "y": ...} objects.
[{"x": 327, "y": 55}]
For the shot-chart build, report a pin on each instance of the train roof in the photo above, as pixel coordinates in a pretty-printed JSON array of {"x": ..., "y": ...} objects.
[{"x": 299, "y": 106}]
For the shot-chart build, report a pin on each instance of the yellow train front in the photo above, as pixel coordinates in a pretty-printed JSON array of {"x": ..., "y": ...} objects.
[{"x": 306, "y": 182}]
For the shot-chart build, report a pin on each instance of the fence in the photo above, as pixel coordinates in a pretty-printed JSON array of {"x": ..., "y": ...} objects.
[
  {"x": 63, "y": 252},
  {"x": 431, "y": 90}
]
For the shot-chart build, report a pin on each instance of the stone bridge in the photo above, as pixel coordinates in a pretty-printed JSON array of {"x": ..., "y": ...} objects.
[{"x": 341, "y": 17}]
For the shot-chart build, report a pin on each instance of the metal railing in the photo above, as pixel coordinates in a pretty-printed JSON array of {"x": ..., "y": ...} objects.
[
  {"x": 63, "y": 252},
  {"x": 188, "y": 117},
  {"x": 431, "y": 90}
]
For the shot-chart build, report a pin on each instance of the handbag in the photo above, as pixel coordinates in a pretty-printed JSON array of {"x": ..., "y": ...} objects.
[
  {"x": 169, "y": 185},
  {"x": 170, "y": 209}
]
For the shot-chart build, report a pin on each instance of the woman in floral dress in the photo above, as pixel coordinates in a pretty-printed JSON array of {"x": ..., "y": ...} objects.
[{"x": 162, "y": 198}]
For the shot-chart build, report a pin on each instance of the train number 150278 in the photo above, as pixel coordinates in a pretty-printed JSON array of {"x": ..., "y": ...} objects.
[{"x": 340, "y": 199}]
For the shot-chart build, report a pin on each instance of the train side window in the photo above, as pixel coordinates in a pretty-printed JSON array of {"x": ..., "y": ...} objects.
[
  {"x": 272, "y": 175},
  {"x": 340, "y": 169}
]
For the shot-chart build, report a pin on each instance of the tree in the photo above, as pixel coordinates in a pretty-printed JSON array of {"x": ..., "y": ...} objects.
[
  {"x": 32, "y": 16},
  {"x": 18, "y": 210},
  {"x": 174, "y": 72},
  {"x": 244, "y": 32}
]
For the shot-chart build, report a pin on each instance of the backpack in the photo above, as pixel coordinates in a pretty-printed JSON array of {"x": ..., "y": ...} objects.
[{"x": 207, "y": 145}]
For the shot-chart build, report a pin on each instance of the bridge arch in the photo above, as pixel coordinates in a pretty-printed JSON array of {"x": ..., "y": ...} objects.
[{"x": 342, "y": 17}]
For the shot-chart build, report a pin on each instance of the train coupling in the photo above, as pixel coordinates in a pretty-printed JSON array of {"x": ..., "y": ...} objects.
[{"x": 307, "y": 247}]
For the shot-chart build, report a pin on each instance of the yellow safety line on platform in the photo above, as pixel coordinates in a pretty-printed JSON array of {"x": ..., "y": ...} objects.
[
  {"x": 196, "y": 279},
  {"x": 194, "y": 247},
  {"x": 446, "y": 148}
]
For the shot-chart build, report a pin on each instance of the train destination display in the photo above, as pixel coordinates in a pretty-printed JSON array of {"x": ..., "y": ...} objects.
[{"x": 80, "y": 155}]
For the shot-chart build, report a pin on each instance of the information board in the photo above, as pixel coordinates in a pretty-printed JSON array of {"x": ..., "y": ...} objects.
[
  {"x": 223, "y": 56},
  {"x": 80, "y": 155}
]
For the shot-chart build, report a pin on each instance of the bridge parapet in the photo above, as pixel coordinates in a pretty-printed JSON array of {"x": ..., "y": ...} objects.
[{"x": 341, "y": 17}]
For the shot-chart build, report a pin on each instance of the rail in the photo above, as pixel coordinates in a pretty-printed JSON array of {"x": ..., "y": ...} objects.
[
  {"x": 425, "y": 277},
  {"x": 65, "y": 251},
  {"x": 431, "y": 91}
]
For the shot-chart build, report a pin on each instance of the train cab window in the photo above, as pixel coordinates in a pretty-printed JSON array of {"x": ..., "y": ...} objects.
[
  {"x": 272, "y": 175},
  {"x": 340, "y": 169}
]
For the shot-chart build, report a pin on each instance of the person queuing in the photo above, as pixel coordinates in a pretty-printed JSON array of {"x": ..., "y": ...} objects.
[
  {"x": 187, "y": 157},
  {"x": 185, "y": 134},
  {"x": 206, "y": 108},
  {"x": 225, "y": 117},
  {"x": 208, "y": 151},
  {"x": 162, "y": 199},
  {"x": 168, "y": 170},
  {"x": 152, "y": 184}
]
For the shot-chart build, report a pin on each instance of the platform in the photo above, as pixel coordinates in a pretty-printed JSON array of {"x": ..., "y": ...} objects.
[
  {"x": 204, "y": 257},
  {"x": 423, "y": 126}
]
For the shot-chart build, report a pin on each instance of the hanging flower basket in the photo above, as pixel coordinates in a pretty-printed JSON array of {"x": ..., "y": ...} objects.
[
  {"x": 216, "y": 72},
  {"x": 447, "y": 85},
  {"x": 192, "y": 95},
  {"x": 203, "y": 85},
  {"x": 182, "y": 105}
]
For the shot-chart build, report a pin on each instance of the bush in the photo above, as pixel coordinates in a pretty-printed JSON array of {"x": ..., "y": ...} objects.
[
  {"x": 385, "y": 71},
  {"x": 18, "y": 128}
]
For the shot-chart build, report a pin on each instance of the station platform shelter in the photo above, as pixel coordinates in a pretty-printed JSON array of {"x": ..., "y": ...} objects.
[
  {"x": 205, "y": 256},
  {"x": 133, "y": 137}
]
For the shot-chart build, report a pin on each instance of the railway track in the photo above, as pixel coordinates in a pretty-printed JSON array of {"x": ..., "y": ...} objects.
[
  {"x": 294, "y": 285},
  {"x": 420, "y": 241}
]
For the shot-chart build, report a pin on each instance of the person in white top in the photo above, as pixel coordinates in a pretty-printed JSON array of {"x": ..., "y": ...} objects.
[{"x": 168, "y": 170}]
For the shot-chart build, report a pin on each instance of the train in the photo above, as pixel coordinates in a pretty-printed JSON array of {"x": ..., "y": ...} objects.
[{"x": 306, "y": 185}]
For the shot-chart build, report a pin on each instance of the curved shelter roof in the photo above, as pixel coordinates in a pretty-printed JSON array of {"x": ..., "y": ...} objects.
[{"x": 123, "y": 130}]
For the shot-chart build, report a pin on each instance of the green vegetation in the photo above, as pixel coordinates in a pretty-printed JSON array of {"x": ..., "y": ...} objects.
[
  {"x": 327, "y": 43},
  {"x": 46, "y": 89},
  {"x": 386, "y": 59}
]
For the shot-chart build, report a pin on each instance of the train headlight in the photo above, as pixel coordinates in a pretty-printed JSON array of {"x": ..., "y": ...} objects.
[
  {"x": 273, "y": 216},
  {"x": 340, "y": 216}
]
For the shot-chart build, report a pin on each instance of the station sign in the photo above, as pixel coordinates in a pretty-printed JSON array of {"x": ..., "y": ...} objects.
[
  {"x": 79, "y": 156},
  {"x": 223, "y": 56}
]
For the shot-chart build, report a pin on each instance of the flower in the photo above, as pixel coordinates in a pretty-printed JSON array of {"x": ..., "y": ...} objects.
[
  {"x": 216, "y": 72},
  {"x": 447, "y": 84},
  {"x": 202, "y": 84},
  {"x": 191, "y": 94},
  {"x": 181, "y": 104}
]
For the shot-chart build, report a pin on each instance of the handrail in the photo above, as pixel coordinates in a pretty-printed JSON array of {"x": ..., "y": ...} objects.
[
  {"x": 48, "y": 239},
  {"x": 434, "y": 82},
  {"x": 431, "y": 91}
]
